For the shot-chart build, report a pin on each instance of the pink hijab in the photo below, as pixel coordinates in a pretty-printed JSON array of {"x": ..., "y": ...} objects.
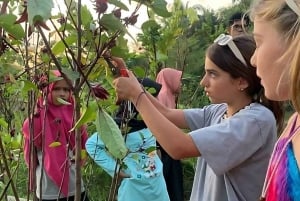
[
  {"x": 170, "y": 79},
  {"x": 58, "y": 123}
]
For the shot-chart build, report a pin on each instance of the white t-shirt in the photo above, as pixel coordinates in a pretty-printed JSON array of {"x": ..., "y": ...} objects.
[
  {"x": 50, "y": 190},
  {"x": 234, "y": 151}
]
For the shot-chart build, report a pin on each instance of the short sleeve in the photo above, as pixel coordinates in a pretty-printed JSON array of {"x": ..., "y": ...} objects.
[
  {"x": 227, "y": 144},
  {"x": 203, "y": 117}
]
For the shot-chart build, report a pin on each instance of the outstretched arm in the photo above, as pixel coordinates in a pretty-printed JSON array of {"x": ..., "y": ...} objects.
[
  {"x": 97, "y": 151},
  {"x": 163, "y": 122},
  {"x": 173, "y": 115}
]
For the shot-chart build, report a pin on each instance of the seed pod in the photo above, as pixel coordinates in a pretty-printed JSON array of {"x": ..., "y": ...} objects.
[
  {"x": 99, "y": 91},
  {"x": 117, "y": 13},
  {"x": 100, "y": 6},
  {"x": 133, "y": 19}
]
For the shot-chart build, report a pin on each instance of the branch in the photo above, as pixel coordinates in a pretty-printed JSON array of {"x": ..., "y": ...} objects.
[{"x": 57, "y": 64}]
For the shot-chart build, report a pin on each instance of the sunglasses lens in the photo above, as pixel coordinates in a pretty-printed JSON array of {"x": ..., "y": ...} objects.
[{"x": 239, "y": 27}]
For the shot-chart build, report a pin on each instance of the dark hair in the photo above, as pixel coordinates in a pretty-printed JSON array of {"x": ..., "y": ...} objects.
[
  {"x": 238, "y": 16},
  {"x": 224, "y": 58}
]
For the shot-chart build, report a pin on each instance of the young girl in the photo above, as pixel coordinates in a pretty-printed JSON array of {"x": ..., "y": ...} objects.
[
  {"x": 233, "y": 137},
  {"x": 54, "y": 144},
  {"x": 277, "y": 59},
  {"x": 141, "y": 171}
]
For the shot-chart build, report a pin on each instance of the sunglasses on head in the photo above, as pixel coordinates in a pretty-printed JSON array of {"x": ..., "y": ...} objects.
[{"x": 224, "y": 40}]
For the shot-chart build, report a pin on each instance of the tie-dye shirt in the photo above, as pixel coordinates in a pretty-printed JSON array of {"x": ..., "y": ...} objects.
[{"x": 283, "y": 174}]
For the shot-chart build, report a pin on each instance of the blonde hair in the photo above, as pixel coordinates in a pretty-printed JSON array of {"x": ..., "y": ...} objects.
[{"x": 287, "y": 23}]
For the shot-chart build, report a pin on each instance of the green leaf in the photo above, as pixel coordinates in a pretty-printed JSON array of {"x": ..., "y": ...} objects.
[
  {"x": 86, "y": 16},
  {"x": 66, "y": 27},
  {"x": 150, "y": 24},
  {"x": 60, "y": 47},
  {"x": 7, "y": 22},
  {"x": 118, "y": 4},
  {"x": 110, "y": 134},
  {"x": 12, "y": 67},
  {"x": 72, "y": 75},
  {"x": 150, "y": 149},
  {"x": 151, "y": 90},
  {"x": 28, "y": 86},
  {"x": 139, "y": 71},
  {"x": 39, "y": 10},
  {"x": 3, "y": 123},
  {"x": 6, "y": 138},
  {"x": 62, "y": 101},
  {"x": 87, "y": 116},
  {"x": 14, "y": 144},
  {"x": 112, "y": 23},
  {"x": 55, "y": 144},
  {"x": 160, "y": 8},
  {"x": 192, "y": 15}
]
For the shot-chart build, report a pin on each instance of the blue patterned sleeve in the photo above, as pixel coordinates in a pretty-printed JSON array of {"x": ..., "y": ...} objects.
[{"x": 97, "y": 151}]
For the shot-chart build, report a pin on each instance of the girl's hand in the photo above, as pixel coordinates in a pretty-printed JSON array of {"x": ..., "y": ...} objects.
[
  {"x": 118, "y": 62},
  {"x": 123, "y": 175},
  {"x": 127, "y": 88}
]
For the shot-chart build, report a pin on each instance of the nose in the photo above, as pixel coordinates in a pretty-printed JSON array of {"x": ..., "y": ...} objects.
[
  {"x": 253, "y": 60},
  {"x": 203, "y": 81},
  {"x": 62, "y": 91}
]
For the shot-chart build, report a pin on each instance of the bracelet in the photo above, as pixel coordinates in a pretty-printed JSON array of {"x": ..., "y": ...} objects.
[{"x": 139, "y": 96}]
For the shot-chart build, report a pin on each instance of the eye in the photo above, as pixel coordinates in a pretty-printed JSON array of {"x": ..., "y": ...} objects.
[
  {"x": 212, "y": 74},
  {"x": 65, "y": 89},
  {"x": 257, "y": 42}
]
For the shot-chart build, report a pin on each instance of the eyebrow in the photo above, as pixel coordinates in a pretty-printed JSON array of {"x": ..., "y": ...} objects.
[{"x": 210, "y": 70}]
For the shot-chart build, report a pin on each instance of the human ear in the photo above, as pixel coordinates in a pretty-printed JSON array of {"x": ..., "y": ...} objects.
[{"x": 242, "y": 84}]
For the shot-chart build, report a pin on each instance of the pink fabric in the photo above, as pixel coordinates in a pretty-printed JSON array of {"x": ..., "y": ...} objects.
[
  {"x": 58, "y": 121},
  {"x": 278, "y": 189},
  {"x": 170, "y": 79}
]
